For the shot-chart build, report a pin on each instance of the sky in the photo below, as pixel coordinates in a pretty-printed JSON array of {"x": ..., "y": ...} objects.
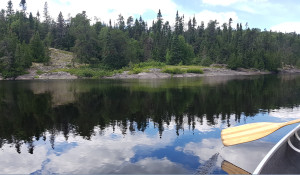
[{"x": 275, "y": 15}]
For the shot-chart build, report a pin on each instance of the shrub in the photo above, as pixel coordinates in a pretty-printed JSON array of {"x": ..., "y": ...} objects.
[
  {"x": 136, "y": 71},
  {"x": 149, "y": 64},
  {"x": 174, "y": 70},
  {"x": 39, "y": 72},
  {"x": 194, "y": 70}
]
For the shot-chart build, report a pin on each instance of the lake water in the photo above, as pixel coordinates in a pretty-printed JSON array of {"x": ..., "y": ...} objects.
[{"x": 167, "y": 126}]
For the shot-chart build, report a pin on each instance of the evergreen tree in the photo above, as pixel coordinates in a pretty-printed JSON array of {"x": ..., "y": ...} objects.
[
  {"x": 10, "y": 10},
  {"x": 60, "y": 32},
  {"x": 39, "y": 52},
  {"x": 129, "y": 24},
  {"x": 7, "y": 55},
  {"x": 121, "y": 23},
  {"x": 86, "y": 46},
  {"x": 47, "y": 21},
  {"x": 115, "y": 48},
  {"x": 3, "y": 28},
  {"x": 23, "y": 5}
]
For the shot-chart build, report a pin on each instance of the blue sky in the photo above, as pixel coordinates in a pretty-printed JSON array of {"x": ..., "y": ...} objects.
[{"x": 270, "y": 14}]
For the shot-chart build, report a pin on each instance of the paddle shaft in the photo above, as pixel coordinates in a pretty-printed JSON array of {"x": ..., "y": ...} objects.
[
  {"x": 251, "y": 132},
  {"x": 293, "y": 122}
]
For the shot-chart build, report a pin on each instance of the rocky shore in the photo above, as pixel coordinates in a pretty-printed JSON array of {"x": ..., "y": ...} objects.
[
  {"x": 208, "y": 72},
  {"x": 151, "y": 74}
]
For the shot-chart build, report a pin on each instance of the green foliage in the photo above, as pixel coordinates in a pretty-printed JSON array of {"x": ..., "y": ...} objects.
[
  {"x": 235, "y": 61},
  {"x": 194, "y": 70},
  {"x": 173, "y": 70},
  {"x": 150, "y": 64},
  {"x": 39, "y": 72},
  {"x": 206, "y": 61},
  {"x": 115, "y": 46},
  {"x": 182, "y": 69},
  {"x": 86, "y": 46},
  {"x": 181, "y": 52},
  {"x": 39, "y": 51},
  {"x": 88, "y": 72},
  {"x": 136, "y": 70},
  {"x": 298, "y": 64}
]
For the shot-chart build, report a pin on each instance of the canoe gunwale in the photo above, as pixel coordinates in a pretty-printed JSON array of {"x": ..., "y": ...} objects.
[
  {"x": 293, "y": 147},
  {"x": 274, "y": 149}
]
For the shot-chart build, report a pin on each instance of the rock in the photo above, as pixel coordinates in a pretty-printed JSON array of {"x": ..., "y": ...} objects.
[{"x": 57, "y": 76}]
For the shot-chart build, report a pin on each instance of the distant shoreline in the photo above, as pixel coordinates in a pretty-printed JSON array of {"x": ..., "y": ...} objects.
[{"x": 154, "y": 74}]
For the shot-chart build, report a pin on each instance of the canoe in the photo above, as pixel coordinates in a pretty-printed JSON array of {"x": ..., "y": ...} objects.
[{"x": 284, "y": 157}]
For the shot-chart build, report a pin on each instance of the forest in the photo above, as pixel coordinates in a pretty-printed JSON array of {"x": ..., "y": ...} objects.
[{"x": 25, "y": 38}]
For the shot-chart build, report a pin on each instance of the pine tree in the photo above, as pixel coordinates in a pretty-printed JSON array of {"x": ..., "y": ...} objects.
[
  {"x": 46, "y": 23},
  {"x": 10, "y": 10},
  {"x": 23, "y": 5},
  {"x": 86, "y": 46},
  {"x": 175, "y": 52},
  {"x": 60, "y": 31},
  {"x": 109, "y": 51},
  {"x": 31, "y": 21},
  {"x": 121, "y": 23},
  {"x": 39, "y": 52},
  {"x": 3, "y": 28}
]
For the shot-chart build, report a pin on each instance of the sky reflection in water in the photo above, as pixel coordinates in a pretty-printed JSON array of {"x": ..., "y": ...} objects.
[{"x": 173, "y": 146}]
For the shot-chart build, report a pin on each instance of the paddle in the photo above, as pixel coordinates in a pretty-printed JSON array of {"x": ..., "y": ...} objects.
[
  {"x": 250, "y": 132},
  {"x": 232, "y": 169}
]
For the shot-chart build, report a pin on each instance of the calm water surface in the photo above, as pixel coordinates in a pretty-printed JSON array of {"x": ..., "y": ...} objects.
[{"x": 139, "y": 126}]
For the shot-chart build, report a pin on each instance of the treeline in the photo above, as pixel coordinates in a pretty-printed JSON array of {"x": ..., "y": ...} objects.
[{"x": 25, "y": 38}]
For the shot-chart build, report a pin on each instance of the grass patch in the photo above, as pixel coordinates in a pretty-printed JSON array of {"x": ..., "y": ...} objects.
[
  {"x": 136, "y": 70},
  {"x": 143, "y": 67},
  {"x": 39, "y": 72},
  {"x": 149, "y": 64},
  {"x": 173, "y": 70},
  {"x": 194, "y": 70},
  {"x": 98, "y": 71},
  {"x": 183, "y": 69},
  {"x": 87, "y": 72}
]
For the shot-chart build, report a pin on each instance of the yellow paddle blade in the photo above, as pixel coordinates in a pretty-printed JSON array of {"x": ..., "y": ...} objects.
[
  {"x": 248, "y": 132},
  {"x": 232, "y": 169}
]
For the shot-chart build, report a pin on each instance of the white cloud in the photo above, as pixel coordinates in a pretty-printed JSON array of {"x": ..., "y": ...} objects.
[
  {"x": 238, "y": 154},
  {"x": 107, "y": 153},
  {"x": 24, "y": 163},
  {"x": 286, "y": 113},
  {"x": 287, "y": 27},
  {"x": 222, "y": 2}
]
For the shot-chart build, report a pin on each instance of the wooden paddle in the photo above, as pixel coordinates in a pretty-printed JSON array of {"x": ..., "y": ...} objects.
[
  {"x": 232, "y": 169},
  {"x": 250, "y": 132}
]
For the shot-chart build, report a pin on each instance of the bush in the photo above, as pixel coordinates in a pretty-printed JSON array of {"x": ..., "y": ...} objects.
[
  {"x": 87, "y": 72},
  {"x": 149, "y": 64},
  {"x": 39, "y": 72},
  {"x": 206, "y": 62},
  {"x": 173, "y": 70},
  {"x": 194, "y": 70},
  {"x": 136, "y": 71}
]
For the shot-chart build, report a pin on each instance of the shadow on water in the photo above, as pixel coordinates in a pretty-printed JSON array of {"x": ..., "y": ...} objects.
[{"x": 29, "y": 109}]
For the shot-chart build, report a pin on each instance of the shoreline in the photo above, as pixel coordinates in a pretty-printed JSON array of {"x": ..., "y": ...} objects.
[
  {"x": 208, "y": 72},
  {"x": 62, "y": 60},
  {"x": 153, "y": 74}
]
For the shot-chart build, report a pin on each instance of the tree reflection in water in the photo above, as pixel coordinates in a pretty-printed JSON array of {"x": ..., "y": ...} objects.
[{"x": 29, "y": 110}]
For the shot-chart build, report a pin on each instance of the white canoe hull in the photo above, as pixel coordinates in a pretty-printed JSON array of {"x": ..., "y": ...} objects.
[{"x": 284, "y": 157}]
